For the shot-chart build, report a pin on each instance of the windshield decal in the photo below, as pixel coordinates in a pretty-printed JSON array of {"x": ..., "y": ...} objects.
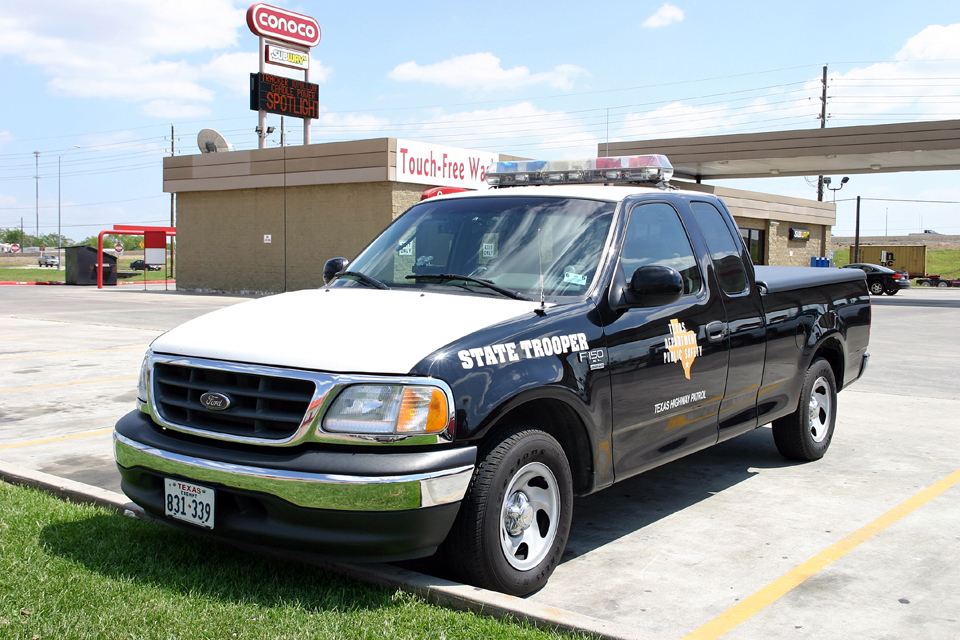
[{"x": 526, "y": 350}]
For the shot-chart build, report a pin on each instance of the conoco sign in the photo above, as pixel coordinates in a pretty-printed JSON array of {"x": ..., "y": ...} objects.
[{"x": 280, "y": 24}]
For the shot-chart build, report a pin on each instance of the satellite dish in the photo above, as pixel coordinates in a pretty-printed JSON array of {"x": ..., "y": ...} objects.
[{"x": 210, "y": 141}]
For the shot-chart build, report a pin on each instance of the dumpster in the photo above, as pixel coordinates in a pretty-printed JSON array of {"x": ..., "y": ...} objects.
[{"x": 81, "y": 266}]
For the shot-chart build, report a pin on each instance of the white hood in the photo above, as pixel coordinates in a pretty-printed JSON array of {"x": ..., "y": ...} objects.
[{"x": 340, "y": 329}]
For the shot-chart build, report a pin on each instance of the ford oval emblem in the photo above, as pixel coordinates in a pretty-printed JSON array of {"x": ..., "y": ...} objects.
[{"x": 215, "y": 401}]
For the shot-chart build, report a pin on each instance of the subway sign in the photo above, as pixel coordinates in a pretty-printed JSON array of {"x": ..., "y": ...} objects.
[
  {"x": 287, "y": 57},
  {"x": 284, "y": 96}
]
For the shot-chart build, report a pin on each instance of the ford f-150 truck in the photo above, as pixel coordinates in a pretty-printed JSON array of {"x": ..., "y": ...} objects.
[{"x": 487, "y": 358}]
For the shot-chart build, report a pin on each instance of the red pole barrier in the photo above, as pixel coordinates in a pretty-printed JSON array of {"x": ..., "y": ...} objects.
[{"x": 100, "y": 259}]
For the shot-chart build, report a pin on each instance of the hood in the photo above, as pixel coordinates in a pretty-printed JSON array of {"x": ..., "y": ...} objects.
[{"x": 346, "y": 330}]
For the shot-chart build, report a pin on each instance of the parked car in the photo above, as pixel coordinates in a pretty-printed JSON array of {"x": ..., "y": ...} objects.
[
  {"x": 48, "y": 260},
  {"x": 137, "y": 265},
  {"x": 882, "y": 280}
]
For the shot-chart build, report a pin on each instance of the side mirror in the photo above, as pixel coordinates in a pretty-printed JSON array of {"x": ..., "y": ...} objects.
[
  {"x": 655, "y": 285},
  {"x": 332, "y": 267}
]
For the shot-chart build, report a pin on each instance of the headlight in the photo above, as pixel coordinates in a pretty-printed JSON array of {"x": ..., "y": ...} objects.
[
  {"x": 144, "y": 380},
  {"x": 388, "y": 409}
]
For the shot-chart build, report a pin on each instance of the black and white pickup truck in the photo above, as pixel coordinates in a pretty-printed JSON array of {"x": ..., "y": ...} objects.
[{"x": 487, "y": 358}]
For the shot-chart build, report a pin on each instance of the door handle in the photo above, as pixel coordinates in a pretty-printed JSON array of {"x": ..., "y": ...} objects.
[{"x": 716, "y": 331}]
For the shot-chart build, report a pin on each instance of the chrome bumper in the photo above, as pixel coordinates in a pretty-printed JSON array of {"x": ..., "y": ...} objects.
[{"x": 310, "y": 490}]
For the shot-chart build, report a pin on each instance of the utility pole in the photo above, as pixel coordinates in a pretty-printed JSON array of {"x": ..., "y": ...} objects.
[
  {"x": 823, "y": 125},
  {"x": 37, "y": 155},
  {"x": 173, "y": 196},
  {"x": 59, "y": 236}
]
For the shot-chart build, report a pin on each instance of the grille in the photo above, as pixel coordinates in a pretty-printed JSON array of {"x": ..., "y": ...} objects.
[{"x": 260, "y": 406}]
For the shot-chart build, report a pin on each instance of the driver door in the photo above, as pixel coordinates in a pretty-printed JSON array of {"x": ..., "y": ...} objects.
[{"x": 667, "y": 374}]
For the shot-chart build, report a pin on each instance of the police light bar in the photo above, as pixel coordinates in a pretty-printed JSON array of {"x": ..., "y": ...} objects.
[{"x": 647, "y": 168}]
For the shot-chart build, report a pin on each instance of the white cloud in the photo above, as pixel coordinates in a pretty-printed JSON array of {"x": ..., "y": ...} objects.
[
  {"x": 483, "y": 70},
  {"x": 910, "y": 87},
  {"x": 520, "y": 129},
  {"x": 173, "y": 109},
  {"x": 122, "y": 49},
  {"x": 664, "y": 16}
]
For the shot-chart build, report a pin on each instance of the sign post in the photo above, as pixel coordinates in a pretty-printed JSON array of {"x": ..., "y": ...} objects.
[{"x": 279, "y": 26}]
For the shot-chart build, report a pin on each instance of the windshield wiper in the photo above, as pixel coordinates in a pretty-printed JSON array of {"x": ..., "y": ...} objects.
[
  {"x": 364, "y": 278},
  {"x": 510, "y": 293}
]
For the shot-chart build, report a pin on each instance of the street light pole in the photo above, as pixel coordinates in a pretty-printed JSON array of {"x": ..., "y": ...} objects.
[{"x": 856, "y": 237}]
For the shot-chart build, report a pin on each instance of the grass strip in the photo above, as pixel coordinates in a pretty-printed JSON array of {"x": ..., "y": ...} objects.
[{"x": 77, "y": 571}]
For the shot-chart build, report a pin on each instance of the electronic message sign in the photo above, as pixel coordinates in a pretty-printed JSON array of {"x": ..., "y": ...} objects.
[{"x": 284, "y": 96}]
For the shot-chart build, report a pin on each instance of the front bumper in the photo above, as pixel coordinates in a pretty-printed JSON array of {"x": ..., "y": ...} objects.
[{"x": 367, "y": 506}]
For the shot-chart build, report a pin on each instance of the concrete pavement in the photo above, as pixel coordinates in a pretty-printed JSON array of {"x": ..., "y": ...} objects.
[{"x": 663, "y": 555}]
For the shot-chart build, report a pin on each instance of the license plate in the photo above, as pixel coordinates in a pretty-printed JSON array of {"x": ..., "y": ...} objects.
[{"x": 189, "y": 502}]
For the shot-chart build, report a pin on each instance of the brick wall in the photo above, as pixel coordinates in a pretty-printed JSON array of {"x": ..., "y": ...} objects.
[
  {"x": 220, "y": 243},
  {"x": 779, "y": 245}
]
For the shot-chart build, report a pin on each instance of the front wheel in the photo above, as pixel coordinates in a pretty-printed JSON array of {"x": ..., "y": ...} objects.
[
  {"x": 806, "y": 433},
  {"x": 876, "y": 288},
  {"x": 514, "y": 520},
  {"x": 943, "y": 285}
]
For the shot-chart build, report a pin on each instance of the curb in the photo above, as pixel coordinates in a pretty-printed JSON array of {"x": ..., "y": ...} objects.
[
  {"x": 28, "y": 283},
  {"x": 70, "y": 490},
  {"x": 437, "y": 591},
  {"x": 51, "y": 282}
]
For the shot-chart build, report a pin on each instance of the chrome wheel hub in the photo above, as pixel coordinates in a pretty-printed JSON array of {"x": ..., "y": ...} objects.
[
  {"x": 529, "y": 516},
  {"x": 519, "y": 514},
  {"x": 820, "y": 409}
]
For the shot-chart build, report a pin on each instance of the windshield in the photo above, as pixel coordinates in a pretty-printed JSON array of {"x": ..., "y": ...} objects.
[{"x": 494, "y": 239}]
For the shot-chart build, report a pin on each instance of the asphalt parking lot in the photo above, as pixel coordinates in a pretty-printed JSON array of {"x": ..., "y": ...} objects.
[{"x": 733, "y": 540}]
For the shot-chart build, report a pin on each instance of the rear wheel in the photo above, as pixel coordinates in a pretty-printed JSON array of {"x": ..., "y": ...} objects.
[
  {"x": 515, "y": 517},
  {"x": 943, "y": 284},
  {"x": 806, "y": 433},
  {"x": 876, "y": 288}
]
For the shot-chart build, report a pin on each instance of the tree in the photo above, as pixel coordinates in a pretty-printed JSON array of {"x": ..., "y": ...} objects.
[{"x": 129, "y": 243}]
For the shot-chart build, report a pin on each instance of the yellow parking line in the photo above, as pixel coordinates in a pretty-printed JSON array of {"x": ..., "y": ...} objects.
[
  {"x": 769, "y": 594},
  {"x": 65, "y": 384},
  {"x": 71, "y": 353},
  {"x": 70, "y": 437},
  {"x": 37, "y": 335}
]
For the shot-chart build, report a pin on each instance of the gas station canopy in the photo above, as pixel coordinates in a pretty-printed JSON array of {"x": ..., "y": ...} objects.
[{"x": 885, "y": 148}]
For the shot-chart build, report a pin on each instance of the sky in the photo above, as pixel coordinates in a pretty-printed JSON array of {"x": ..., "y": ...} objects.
[{"x": 95, "y": 87}]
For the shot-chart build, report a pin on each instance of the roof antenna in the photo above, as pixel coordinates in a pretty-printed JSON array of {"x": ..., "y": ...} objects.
[{"x": 543, "y": 301}]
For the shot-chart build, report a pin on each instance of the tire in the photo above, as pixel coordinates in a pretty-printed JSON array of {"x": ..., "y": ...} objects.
[
  {"x": 943, "y": 285},
  {"x": 924, "y": 283},
  {"x": 806, "y": 433},
  {"x": 891, "y": 292},
  {"x": 514, "y": 520},
  {"x": 876, "y": 288}
]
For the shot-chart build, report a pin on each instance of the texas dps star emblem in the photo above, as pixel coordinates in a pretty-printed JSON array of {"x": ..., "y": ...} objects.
[{"x": 681, "y": 346}]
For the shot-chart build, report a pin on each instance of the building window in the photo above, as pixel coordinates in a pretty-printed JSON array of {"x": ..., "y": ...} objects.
[{"x": 754, "y": 239}]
